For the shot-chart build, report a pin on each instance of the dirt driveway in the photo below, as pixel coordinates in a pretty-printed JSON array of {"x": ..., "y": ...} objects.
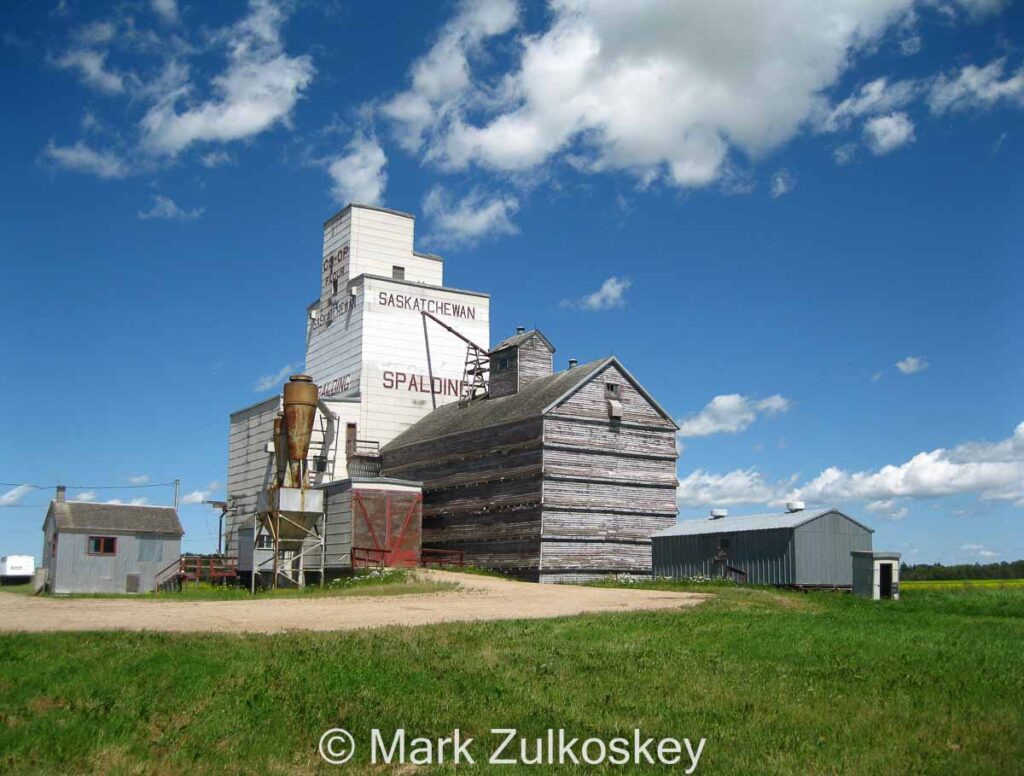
[{"x": 480, "y": 598}]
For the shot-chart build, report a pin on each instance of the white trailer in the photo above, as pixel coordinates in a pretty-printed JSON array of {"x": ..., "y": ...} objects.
[{"x": 17, "y": 568}]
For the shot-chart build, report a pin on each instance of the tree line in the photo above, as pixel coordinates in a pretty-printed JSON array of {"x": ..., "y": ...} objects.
[{"x": 1001, "y": 570}]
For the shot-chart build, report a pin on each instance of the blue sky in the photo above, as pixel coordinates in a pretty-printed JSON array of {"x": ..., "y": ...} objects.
[{"x": 798, "y": 224}]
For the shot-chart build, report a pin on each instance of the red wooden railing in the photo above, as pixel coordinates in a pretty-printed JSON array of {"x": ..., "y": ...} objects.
[{"x": 442, "y": 558}]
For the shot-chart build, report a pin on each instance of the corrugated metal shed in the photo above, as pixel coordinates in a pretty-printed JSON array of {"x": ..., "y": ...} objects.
[{"x": 805, "y": 548}]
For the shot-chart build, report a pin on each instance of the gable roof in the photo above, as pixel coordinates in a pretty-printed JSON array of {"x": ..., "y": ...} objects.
[
  {"x": 751, "y": 523},
  {"x": 114, "y": 518},
  {"x": 538, "y": 397},
  {"x": 519, "y": 339}
]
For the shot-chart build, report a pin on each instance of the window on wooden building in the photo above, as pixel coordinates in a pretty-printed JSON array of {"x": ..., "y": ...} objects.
[
  {"x": 398, "y": 273},
  {"x": 102, "y": 545},
  {"x": 611, "y": 390},
  {"x": 503, "y": 364}
]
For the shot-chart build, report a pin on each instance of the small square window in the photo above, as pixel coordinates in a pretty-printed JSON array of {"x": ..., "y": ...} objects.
[
  {"x": 611, "y": 390},
  {"x": 398, "y": 273},
  {"x": 102, "y": 545},
  {"x": 502, "y": 364}
]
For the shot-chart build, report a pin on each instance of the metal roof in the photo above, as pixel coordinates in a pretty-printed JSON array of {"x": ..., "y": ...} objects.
[
  {"x": 114, "y": 518},
  {"x": 741, "y": 523}
]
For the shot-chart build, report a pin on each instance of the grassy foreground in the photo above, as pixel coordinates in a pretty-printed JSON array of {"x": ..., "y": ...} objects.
[
  {"x": 776, "y": 682},
  {"x": 960, "y": 584}
]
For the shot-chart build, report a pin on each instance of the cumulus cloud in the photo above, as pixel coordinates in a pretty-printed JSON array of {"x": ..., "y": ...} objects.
[
  {"x": 911, "y": 365},
  {"x": 81, "y": 157},
  {"x": 889, "y": 132},
  {"x": 195, "y": 497},
  {"x": 167, "y": 10},
  {"x": 664, "y": 91},
  {"x": 138, "y": 479},
  {"x": 741, "y": 486},
  {"x": 166, "y": 209},
  {"x": 135, "y": 502},
  {"x": 978, "y": 551},
  {"x": 359, "y": 175},
  {"x": 273, "y": 382},
  {"x": 86, "y": 495},
  {"x": 215, "y": 158},
  {"x": 441, "y": 79},
  {"x": 878, "y": 96},
  {"x": 730, "y": 414},
  {"x": 258, "y": 90},
  {"x": 612, "y": 293},
  {"x": 15, "y": 494},
  {"x": 888, "y": 508},
  {"x": 91, "y": 67},
  {"x": 783, "y": 182},
  {"x": 470, "y": 219},
  {"x": 993, "y": 470},
  {"x": 976, "y": 87}
]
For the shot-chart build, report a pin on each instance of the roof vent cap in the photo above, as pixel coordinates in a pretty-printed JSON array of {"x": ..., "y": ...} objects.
[
  {"x": 795, "y": 506},
  {"x": 718, "y": 514},
  {"x": 520, "y": 330},
  {"x": 573, "y": 363}
]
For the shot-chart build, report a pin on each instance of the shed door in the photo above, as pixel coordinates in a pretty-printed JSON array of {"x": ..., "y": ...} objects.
[
  {"x": 386, "y": 527},
  {"x": 885, "y": 580}
]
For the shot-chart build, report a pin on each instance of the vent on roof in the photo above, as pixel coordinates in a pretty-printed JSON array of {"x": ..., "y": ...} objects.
[
  {"x": 520, "y": 330},
  {"x": 718, "y": 514},
  {"x": 573, "y": 363},
  {"x": 794, "y": 506}
]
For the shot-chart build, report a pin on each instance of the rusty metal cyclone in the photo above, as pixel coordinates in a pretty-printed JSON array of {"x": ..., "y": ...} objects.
[{"x": 300, "y": 400}]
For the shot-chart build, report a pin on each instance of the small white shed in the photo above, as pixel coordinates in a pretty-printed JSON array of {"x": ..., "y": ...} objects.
[{"x": 876, "y": 574}]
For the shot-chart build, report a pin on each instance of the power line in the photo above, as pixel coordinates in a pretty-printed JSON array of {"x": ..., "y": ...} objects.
[{"x": 85, "y": 487}]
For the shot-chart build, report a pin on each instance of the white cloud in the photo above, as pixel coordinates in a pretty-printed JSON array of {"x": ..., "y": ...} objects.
[
  {"x": 976, "y": 87},
  {"x": 91, "y": 67},
  {"x": 978, "y": 551},
  {"x": 912, "y": 365},
  {"x": 741, "y": 486},
  {"x": 662, "y": 90},
  {"x": 195, "y": 497},
  {"x": 96, "y": 33},
  {"x": 258, "y": 90},
  {"x": 878, "y": 96},
  {"x": 167, "y": 10},
  {"x": 441, "y": 78},
  {"x": 166, "y": 209},
  {"x": 993, "y": 470},
  {"x": 215, "y": 158},
  {"x": 783, "y": 182},
  {"x": 359, "y": 175},
  {"x": 888, "y": 508},
  {"x": 612, "y": 293},
  {"x": 139, "y": 479},
  {"x": 889, "y": 132},
  {"x": 15, "y": 494},
  {"x": 82, "y": 158},
  {"x": 730, "y": 414},
  {"x": 274, "y": 382},
  {"x": 845, "y": 153},
  {"x": 135, "y": 502},
  {"x": 470, "y": 219},
  {"x": 86, "y": 495}
]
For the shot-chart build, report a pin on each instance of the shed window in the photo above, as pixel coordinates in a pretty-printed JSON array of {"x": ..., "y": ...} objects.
[
  {"x": 398, "y": 273},
  {"x": 151, "y": 550},
  {"x": 103, "y": 545},
  {"x": 502, "y": 364}
]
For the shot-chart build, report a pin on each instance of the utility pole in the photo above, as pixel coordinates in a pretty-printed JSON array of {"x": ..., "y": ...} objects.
[{"x": 177, "y": 489}]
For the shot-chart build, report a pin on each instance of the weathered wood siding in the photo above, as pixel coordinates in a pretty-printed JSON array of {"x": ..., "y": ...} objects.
[
  {"x": 535, "y": 360},
  {"x": 504, "y": 380},
  {"x": 608, "y": 484},
  {"x": 481, "y": 493}
]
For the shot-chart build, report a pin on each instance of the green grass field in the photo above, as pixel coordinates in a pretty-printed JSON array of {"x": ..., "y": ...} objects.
[{"x": 777, "y": 682}]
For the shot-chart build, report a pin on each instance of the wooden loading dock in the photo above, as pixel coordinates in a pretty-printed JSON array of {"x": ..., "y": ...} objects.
[{"x": 553, "y": 477}]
